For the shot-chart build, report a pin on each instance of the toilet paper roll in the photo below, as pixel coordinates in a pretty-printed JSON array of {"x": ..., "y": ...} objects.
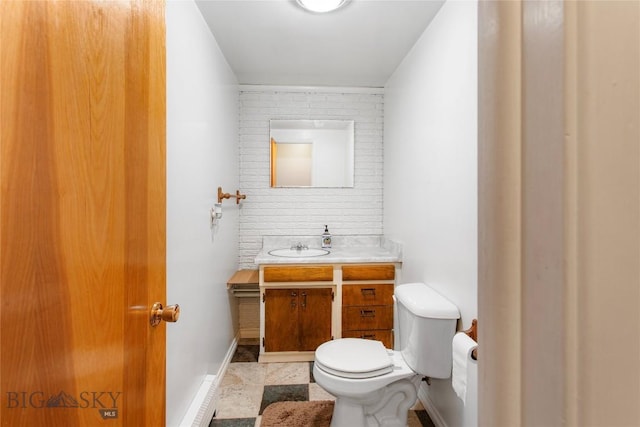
[{"x": 462, "y": 348}]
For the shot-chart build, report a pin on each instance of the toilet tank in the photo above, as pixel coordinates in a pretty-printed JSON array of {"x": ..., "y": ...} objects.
[{"x": 426, "y": 326}]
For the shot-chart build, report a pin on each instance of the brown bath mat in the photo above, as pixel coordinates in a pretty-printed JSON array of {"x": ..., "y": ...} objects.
[{"x": 298, "y": 414}]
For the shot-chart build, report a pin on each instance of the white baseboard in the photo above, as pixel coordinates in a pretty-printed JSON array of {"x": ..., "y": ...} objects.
[
  {"x": 201, "y": 409},
  {"x": 203, "y": 405},
  {"x": 430, "y": 407},
  {"x": 227, "y": 359}
]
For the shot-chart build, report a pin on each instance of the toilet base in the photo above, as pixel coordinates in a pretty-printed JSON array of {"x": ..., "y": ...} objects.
[{"x": 387, "y": 407}]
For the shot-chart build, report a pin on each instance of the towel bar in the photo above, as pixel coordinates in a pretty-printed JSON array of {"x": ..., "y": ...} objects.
[{"x": 238, "y": 196}]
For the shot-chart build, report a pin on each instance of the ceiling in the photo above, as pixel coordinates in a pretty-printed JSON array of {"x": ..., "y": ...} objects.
[{"x": 275, "y": 42}]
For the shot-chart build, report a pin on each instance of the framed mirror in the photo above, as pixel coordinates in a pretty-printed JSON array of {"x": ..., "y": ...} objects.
[{"x": 311, "y": 153}]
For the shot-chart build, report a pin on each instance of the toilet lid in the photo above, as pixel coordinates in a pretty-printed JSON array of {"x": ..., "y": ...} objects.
[{"x": 354, "y": 358}]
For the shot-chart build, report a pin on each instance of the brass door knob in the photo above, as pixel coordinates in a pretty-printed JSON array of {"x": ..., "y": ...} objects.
[{"x": 170, "y": 313}]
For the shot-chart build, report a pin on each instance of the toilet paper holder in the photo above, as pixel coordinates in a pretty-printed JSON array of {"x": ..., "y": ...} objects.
[{"x": 472, "y": 333}]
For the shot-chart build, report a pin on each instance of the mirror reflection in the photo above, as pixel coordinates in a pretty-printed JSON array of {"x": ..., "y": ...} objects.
[{"x": 312, "y": 153}]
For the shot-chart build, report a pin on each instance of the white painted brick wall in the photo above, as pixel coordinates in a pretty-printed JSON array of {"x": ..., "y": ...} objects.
[{"x": 304, "y": 211}]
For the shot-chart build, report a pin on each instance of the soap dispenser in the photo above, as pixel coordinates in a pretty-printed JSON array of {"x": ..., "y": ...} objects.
[{"x": 326, "y": 238}]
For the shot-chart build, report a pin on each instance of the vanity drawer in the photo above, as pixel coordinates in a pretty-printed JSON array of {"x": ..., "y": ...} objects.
[
  {"x": 386, "y": 336},
  {"x": 369, "y": 272},
  {"x": 367, "y": 317},
  {"x": 376, "y": 294},
  {"x": 320, "y": 273}
]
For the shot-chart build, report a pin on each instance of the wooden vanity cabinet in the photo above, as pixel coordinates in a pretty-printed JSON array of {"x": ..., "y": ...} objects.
[
  {"x": 367, "y": 302},
  {"x": 299, "y": 311},
  {"x": 297, "y": 318}
]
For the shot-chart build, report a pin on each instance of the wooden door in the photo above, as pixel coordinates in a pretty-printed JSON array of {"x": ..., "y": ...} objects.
[
  {"x": 82, "y": 213},
  {"x": 314, "y": 317},
  {"x": 281, "y": 329}
]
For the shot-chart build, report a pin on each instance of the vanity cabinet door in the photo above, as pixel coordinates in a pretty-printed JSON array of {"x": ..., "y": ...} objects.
[
  {"x": 297, "y": 319},
  {"x": 281, "y": 329},
  {"x": 314, "y": 317}
]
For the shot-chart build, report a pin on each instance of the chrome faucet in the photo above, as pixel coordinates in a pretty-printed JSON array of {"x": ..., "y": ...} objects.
[{"x": 299, "y": 246}]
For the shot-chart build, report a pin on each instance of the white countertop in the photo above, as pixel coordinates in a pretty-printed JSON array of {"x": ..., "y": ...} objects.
[{"x": 344, "y": 250}]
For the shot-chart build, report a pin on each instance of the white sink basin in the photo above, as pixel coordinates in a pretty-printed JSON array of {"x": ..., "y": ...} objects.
[{"x": 298, "y": 253}]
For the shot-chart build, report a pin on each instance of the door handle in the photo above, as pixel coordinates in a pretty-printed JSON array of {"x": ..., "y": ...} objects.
[{"x": 170, "y": 313}]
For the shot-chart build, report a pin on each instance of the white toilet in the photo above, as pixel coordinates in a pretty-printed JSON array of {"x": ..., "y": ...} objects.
[{"x": 375, "y": 386}]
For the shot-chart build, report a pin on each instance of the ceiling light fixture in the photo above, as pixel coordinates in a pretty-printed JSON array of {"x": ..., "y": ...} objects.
[{"x": 321, "y": 6}]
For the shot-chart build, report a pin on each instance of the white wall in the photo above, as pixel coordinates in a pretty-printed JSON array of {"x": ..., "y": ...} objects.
[
  {"x": 305, "y": 211},
  {"x": 430, "y": 173},
  {"x": 202, "y": 105}
]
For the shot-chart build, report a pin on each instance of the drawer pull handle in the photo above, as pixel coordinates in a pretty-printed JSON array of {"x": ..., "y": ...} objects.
[
  {"x": 304, "y": 300},
  {"x": 368, "y": 291},
  {"x": 368, "y": 336},
  {"x": 367, "y": 313}
]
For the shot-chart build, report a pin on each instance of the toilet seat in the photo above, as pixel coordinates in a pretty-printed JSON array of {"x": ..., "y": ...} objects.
[{"x": 354, "y": 358}]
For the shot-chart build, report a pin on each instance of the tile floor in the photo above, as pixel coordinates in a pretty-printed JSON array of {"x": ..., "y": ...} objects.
[{"x": 248, "y": 387}]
